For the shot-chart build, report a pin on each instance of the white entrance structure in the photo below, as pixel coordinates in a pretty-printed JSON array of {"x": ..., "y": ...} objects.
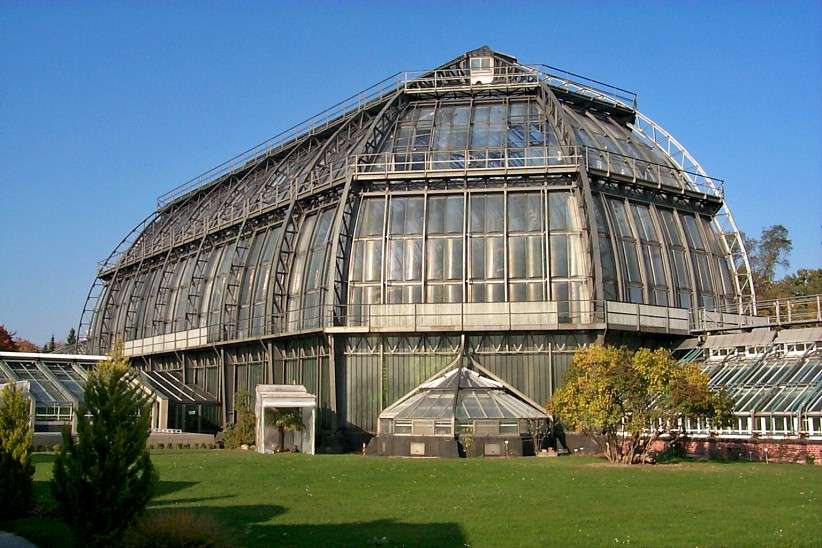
[{"x": 276, "y": 397}]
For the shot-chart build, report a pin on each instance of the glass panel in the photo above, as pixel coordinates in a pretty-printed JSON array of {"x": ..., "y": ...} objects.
[
  {"x": 516, "y": 257},
  {"x": 406, "y": 216},
  {"x": 434, "y": 260},
  {"x": 562, "y": 214},
  {"x": 413, "y": 260},
  {"x": 494, "y": 258},
  {"x": 620, "y": 218},
  {"x": 395, "y": 267},
  {"x": 643, "y": 222},
  {"x": 631, "y": 262},
  {"x": 486, "y": 213},
  {"x": 357, "y": 261},
  {"x": 452, "y": 267},
  {"x": 671, "y": 229},
  {"x": 657, "y": 270},
  {"x": 371, "y": 222},
  {"x": 524, "y": 212},
  {"x": 373, "y": 260},
  {"x": 453, "y": 215},
  {"x": 692, "y": 231},
  {"x": 680, "y": 265},
  {"x": 559, "y": 256},
  {"x": 477, "y": 258}
]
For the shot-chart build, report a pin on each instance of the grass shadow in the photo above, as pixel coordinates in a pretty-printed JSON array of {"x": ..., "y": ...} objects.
[
  {"x": 164, "y": 488},
  {"x": 174, "y": 502},
  {"x": 378, "y": 532}
]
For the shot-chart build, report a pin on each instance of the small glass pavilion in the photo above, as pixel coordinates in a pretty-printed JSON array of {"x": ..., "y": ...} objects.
[{"x": 460, "y": 409}]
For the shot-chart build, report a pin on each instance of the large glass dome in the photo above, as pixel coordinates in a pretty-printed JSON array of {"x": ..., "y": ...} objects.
[{"x": 483, "y": 208}]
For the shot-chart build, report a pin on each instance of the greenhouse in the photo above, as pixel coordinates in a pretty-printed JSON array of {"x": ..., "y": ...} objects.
[
  {"x": 775, "y": 379},
  {"x": 458, "y": 405},
  {"x": 55, "y": 383},
  {"x": 514, "y": 213}
]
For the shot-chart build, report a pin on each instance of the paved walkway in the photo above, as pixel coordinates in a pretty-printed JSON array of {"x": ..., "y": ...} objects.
[{"x": 7, "y": 540}]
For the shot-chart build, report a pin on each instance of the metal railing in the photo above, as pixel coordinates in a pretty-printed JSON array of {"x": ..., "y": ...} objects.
[
  {"x": 795, "y": 310},
  {"x": 592, "y": 89},
  {"x": 422, "y": 317},
  {"x": 317, "y": 123},
  {"x": 495, "y": 159},
  {"x": 707, "y": 319},
  {"x": 502, "y": 77},
  {"x": 615, "y": 164},
  {"x": 775, "y": 312}
]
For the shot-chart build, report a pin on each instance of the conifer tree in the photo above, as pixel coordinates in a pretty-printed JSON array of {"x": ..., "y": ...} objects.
[
  {"x": 105, "y": 478},
  {"x": 71, "y": 338},
  {"x": 16, "y": 469}
]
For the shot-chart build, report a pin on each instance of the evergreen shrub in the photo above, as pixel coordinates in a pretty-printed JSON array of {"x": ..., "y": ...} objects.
[
  {"x": 16, "y": 469},
  {"x": 105, "y": 478}
]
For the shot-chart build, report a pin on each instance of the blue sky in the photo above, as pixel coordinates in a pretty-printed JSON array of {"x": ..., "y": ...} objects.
[{"x": 104, "y": 106}]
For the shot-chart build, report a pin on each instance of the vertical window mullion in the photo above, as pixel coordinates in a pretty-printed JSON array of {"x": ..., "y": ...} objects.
[
  {"x": 666, "y": 255},
  {"x": 385, "y": 211},
  {"x": 505, "y": 245},
  {"x": 546, "y": 247},
  {"x": 643, "y": 271}
]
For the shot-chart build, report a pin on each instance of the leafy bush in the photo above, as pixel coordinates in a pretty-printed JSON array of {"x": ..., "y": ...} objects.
[
  {"x": 105, "y": 478},
  {"x": 170, "y": 529},
  {"x": 16, "y": 469},
  {"x": 625, "y": 400},
  {"x": 243, "y": 431}
]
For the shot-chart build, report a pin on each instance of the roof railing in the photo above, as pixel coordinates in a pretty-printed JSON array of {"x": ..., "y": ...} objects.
[
  {"x": 473, "y": 160},
  {"x": 506, "y": 76},
  {"x": 615, "y": 164},
  {"x": 594, "y": 89},
  {"x": 317, "y": 123}
]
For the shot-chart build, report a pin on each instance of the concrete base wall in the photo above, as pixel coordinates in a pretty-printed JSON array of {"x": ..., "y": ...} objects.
[
  {"x": 413, "y": 446},
  {"x": 495, "y": 446},
  {"x": 446, "y": 447}
]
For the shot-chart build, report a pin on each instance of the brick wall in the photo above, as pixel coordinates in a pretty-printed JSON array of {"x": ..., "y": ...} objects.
[{"x": 789, "y": 450}]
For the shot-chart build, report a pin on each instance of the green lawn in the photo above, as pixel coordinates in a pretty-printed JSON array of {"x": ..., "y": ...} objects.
[{"x": 348, "y": 500}]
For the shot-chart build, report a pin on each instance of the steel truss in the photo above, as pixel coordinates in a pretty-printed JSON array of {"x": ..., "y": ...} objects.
[
  {"x": 731, "y": 235},
  {"x": 556, "y": 115},
  {"x": 320, "y": 172}
]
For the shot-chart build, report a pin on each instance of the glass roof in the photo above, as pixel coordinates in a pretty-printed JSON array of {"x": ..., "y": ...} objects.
[
  {"x": 42, "y": 389},
  {"x": 172, "y": 388},
  {"x": 463, "y": 395},
  {"x": 772, "y": 381}
]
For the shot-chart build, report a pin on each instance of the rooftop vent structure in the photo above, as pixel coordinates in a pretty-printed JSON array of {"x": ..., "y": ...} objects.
[{"x": 482, "y": 70}]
